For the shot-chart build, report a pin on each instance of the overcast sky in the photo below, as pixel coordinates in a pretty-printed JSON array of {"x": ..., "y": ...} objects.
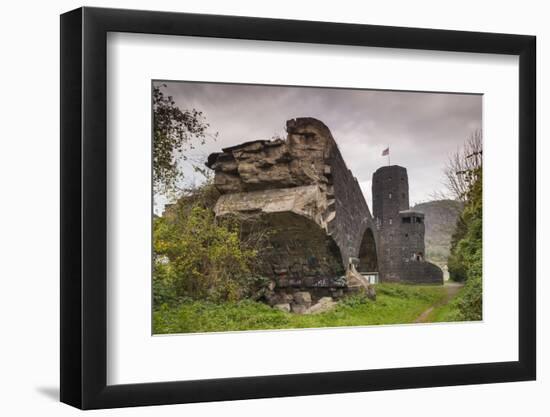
[{"x": 421, "y": 129}]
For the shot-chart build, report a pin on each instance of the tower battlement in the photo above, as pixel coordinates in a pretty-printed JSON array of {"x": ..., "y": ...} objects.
[{"x": 390, "y": 192}]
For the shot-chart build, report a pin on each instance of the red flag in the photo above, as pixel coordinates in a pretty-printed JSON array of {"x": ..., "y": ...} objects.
[{"x": 386, "y": 152}]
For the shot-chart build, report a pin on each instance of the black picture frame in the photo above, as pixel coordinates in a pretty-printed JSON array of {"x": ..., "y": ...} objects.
[{"x": 84, "y": 207}]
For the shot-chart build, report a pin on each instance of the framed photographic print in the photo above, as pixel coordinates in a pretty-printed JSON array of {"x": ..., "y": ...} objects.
[{"x": 257, "y": 207}]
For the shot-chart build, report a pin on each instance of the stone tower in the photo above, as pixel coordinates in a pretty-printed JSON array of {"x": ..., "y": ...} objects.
[
  {"x": 390, "y": 195},
  {"x": 401, "y": 231}
]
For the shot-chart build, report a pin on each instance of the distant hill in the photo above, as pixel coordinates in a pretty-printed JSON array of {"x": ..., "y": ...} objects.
[{"x": 441, "y": 217}]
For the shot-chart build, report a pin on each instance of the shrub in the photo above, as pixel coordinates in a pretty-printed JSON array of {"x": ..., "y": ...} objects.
[
  {"x": 465, "y": 262},
  {"x": 469, "y": 303},
  {"x": 354, "y": 300},
  {"x": 163, "y": 283},
  {"x": 200, "y": 258}
]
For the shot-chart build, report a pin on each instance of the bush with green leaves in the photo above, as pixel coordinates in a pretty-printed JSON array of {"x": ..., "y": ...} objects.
[
  {"x": 465, "y": 262},
  {"x": 354, "y": 300},
  {"x": 164, "y": 291},
  {"x": 198, "y": 257}
]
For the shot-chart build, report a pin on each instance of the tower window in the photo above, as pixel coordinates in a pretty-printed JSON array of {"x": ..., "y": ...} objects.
[
  {"x": 419, "y": 219},
  {"x": 417, "y": 256},
  {"x": 406, "y": 219}
]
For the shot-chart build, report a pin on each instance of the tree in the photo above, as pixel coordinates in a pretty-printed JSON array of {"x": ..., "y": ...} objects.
[
  {"x": 460, "y": 171},
  {"x": 464, "y": 174},
  {"x": 175, "y": 132},
  {"x": 466, "y": 242},
  {"x": 466, "y": 259}
]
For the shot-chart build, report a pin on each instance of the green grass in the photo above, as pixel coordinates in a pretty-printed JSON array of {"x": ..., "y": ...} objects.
[
  {"x": 444, "y": 313},
  {"x": 447, "y": 312},
  {"x": 395, "y": 304}
]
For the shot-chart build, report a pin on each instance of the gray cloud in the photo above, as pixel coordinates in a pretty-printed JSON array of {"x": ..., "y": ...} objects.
[{"x": 421, "y": 129}]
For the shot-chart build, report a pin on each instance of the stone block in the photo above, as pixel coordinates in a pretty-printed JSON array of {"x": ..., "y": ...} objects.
[
  {"x": 282, "y": 307},
  {"x": 302, "y": 298},
  {"x": 323, "y": 305},
  {"x": 298, "y": 308}
]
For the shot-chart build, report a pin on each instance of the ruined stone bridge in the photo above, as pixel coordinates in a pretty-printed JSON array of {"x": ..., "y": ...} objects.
[{"x": 321, "y": 228}]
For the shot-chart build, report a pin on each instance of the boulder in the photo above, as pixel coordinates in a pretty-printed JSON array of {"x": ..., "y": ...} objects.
[
  {"x": 298, "y": 308},
  {"x": 282, "y": 307},
  {"x": 302, "y": 298},
  {"x": 371, "y": 292},
  {"x": 323, "y": 305},
  {"x": 279, "y": 298},
  {"x": 358, "y": 283}
]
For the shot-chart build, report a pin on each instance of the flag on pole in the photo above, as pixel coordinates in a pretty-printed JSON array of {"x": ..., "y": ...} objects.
[{"x": 386, "y": 152}]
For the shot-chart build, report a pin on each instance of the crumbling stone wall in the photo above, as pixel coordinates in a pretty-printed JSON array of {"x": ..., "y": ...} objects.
[
  {"x": 299, "y": 160},
  {"x": 299, "y": 253}
]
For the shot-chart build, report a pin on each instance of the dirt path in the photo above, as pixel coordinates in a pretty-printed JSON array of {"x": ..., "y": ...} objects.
[{"x": 452, "y": 289}]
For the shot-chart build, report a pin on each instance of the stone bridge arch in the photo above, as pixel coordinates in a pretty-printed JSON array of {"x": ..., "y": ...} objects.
[{"x": 368, "y": 255}]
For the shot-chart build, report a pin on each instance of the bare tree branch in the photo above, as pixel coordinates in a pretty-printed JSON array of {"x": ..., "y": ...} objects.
[{"x": 461, "y": 168}]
